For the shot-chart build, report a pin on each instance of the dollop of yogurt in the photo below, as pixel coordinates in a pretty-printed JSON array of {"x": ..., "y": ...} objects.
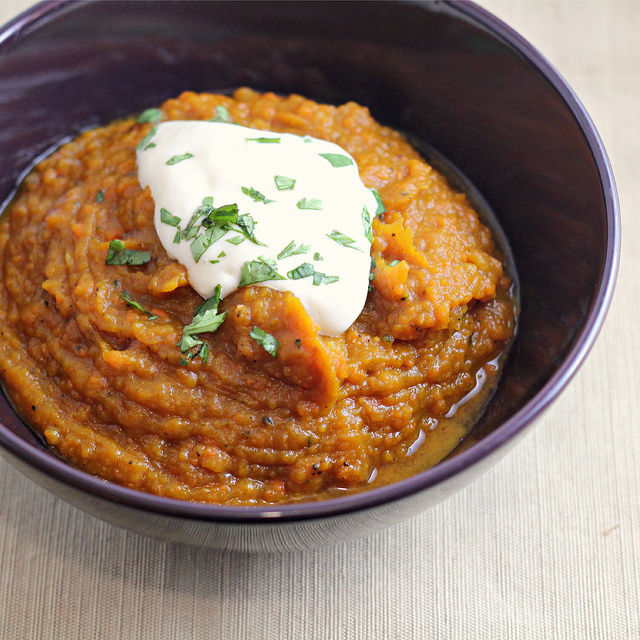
[{"x": 239, "y": 206}]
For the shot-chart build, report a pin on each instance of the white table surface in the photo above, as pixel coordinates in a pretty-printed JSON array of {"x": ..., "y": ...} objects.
[{"x": 544, "y": 546}]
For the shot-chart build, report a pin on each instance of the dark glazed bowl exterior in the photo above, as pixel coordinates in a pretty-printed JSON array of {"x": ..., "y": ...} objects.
[{"x": 449, "y": 74}]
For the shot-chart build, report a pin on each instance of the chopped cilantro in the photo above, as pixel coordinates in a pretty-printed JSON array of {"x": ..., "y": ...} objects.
[
  {"x": 318, "y": 257},
  {"x": 225, "y": 213},
  {"x": 380, "y": 208},
  {"x": 342, "y": 239},
  {"x": 387, "y": 338},
  {"x": 150, "y": 115},
  {"x": 337, "y": 159},
  {"x": 312, "y": 203},
  {"x": 236, "y": 239},
  {"x": 119, "y": 254},
  {"x": 179, "y": 158},
  {"x": 292, "y": 250},
  {"x": 366, "y": 223},
  {"x": 132, "y": 303},
  {"x": 168, "y": 218},
  {"x": 393, "y": 263},
  {"x": 144, "y": 143},
  {"x": 221, "y": 115},
  {"x": 100, "y": 196},
  {"x": 303, "y": 271},
  {"x": 205, "y": 319},
  {"x": 176, "y": 238},
  {"x": 256, "y": 196},
  {"x": 204, "y": 322},
  {"x": 265, "y": 340},
  {"x": 283, "y": 183},
  {"x": 264, "y": 140},
  {"x": 205, "y": 240},
  {"x": 259, "y": 270}
]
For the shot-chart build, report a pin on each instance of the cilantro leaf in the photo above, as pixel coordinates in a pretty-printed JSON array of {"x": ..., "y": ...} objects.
[
  {"x": 303, "y": 271},
  {"x": 380, "y": 209},
  {"x": 168, "y": 218},
  {"x": 366, "y": 223},
  {"x": 100, "y": 196},
  {"x": 259, "y": 270},
  {"x": 132, "y": 303},
  {"x": 205, "y": 240},
  {"x": 205, "y": 319},
  {"x": 283, "y": 183},
  {"x": 179, "y": 158},
  {"x": 221, "y": 115},
  {"x": 342, "y": 239},
  {"x": 337, "y": 159},
  {"x": 312, "y": 203},
  {"x": 144, "y": 143},
  {"x": 150, "y": 115},
  {"x": 119, "y": 254},
  {"x": 205, "y": 322},
  {"x": 292, "y": 250},
  {"x": 246, "y": 224},
  {"x": 225, "y": 213},
  {"x": 256, "y": 196},
  {"x": 265, "y": 340},
  {"x": 264, "y": 140}
]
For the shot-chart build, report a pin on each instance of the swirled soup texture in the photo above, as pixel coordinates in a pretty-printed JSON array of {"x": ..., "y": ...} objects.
[{"x": 107, "y": 386}]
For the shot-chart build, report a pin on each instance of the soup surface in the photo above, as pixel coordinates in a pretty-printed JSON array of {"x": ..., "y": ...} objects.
[{"x": 90, "y": 352}]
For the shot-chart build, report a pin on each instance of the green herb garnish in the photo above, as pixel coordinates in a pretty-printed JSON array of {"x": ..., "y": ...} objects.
[
  {"x": 292, "y": 250},
  {"x": 119, "y": 254},
  {"x": 265, "y": 340},
  {"x": 387, "y": 338},
  {"x": 168, "y": 218},
  {"x": 380, "y": 209},
  {"x": 259, "y": 270},
  {"x": 144, "y": 143},
  {"x": 205, "y": 240},
  {"x": 318, "y": 257},
  {"x": 179, "y": 158},
  {"x": 236, "y": 240},
  {"x": 283, "y": 183},
  {"x": 264, "y": 140},
  {"x": 366, "y": 223},
  {"x": 321, "y": 278},
  {"x": 206, "y": 319},
  {"x": 132, "y": 303},
  {"x": 393, "y": 263},
  {"x": 100, "y": 196},
  {"x": 312, "y": 203},
  {"x": 303, "y": 271},
  {"x": 225, "y": 213},
  {"x": 337, "y": 159},
  {"x": 256, "y": 196},
  {"x": 342, "y": 239},
  {"x": 222, "y": 115},
  {"x": 150, "y": 115}
]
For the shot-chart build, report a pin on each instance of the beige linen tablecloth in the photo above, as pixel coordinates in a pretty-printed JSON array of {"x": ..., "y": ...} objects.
[{"x": 544, "y": 546}]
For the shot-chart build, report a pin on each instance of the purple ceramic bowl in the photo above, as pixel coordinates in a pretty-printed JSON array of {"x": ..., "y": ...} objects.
[{"x": 448, "y": 73}]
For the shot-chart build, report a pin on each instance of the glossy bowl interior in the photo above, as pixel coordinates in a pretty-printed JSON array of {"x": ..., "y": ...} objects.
[{"x": 449, "y": 74}]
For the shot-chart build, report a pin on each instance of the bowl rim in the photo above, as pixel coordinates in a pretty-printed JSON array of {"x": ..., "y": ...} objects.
[{"x": 378, "y": 497}]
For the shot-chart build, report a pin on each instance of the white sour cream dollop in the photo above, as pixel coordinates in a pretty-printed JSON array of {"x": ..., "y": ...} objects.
[{"x": 291, "y": 189}]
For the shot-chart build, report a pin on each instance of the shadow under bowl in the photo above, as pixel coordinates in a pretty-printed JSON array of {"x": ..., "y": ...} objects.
[{"x": 448, "y": 73}]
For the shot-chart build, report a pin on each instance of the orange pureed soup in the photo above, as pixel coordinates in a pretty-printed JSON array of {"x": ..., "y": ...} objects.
[{"x": 93, "y": 352}]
